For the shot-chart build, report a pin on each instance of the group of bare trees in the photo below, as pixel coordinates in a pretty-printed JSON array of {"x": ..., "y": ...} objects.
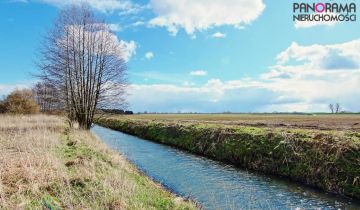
[
  {"x": 46, "y": 96},
  {"x": 335, "y": 109},
  {"x": 82, "y": 66}
]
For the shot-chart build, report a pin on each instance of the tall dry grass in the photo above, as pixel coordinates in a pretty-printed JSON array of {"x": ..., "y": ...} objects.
[
  {"x": 46, "y": 165},
  {"x": 27, "y": 162}
]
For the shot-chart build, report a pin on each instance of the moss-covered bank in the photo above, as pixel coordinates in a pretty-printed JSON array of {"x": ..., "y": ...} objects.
[{"x": 329, "y": 160}]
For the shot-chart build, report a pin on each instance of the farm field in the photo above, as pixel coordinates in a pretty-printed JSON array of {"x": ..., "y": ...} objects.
[{"x": 311, "y": 121}]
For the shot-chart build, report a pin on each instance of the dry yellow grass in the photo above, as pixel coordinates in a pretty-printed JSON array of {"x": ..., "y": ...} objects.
[
  {"x": 26, "y": 161},
  {"x": 44, "y": 164}
]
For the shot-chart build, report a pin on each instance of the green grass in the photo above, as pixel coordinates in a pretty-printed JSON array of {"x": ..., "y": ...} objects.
[{"x": 136, "y": 191}]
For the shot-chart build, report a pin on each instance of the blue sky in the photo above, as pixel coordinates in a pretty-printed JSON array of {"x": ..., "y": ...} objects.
[{"x": 204, "y": 55}]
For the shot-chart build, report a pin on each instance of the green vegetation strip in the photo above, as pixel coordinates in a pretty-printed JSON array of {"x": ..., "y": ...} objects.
[
  {"x": 100, "y": 179},
  {"x": 329, "y": 160}
]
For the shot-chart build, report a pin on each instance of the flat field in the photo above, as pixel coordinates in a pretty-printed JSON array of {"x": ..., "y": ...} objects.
[{"x": 311, "y": 121}]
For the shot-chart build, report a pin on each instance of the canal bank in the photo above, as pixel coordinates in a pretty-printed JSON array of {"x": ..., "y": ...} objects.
[
  {"x": 327, "y": 160},
  {"x": 213, "y": 184}
]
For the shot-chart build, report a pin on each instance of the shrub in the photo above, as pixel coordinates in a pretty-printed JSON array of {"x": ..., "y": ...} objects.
[
  {"x": 2, "y": 107},
  {"x": 129, "y": 112},
  {"x": 20, "y": 102}
]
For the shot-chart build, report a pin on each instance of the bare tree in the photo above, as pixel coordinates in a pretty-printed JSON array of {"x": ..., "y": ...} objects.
[
  {"x": 331, "y": 107},
  {"x": 337, "y": 108},
  {"x": 46, "y": 96},
  {"x": 83, "y": 60}
]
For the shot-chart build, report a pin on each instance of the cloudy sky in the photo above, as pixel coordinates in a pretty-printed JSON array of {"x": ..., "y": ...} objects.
[{"x": 204, "y": 55}]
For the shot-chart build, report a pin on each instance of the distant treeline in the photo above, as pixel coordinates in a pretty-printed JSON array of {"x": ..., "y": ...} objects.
[
  {"x": 116, "y": 111},
  {"x": 40, "y": 99},
  {"x": 251, "y": 113}
]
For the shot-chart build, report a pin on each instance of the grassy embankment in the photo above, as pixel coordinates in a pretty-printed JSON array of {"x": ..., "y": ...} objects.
[
  {"x": 43, "y": 164},
  {"x": 328, "y": 160}
]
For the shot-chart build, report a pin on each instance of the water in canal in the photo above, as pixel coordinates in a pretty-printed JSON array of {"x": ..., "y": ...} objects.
[{"x": 213, "y": 184}]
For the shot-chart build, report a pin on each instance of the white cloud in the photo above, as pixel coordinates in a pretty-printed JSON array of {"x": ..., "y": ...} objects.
[
  {"x": 203, "y": 14},
  {"x": 128, "y": 49},
  {"x": 326, "y": 73},
  {"x": 306, "y": 78},
  {"x": 218, "y": 35},
  {"x": 188, "y": 84},
  {"x": 6, "y": 89},
  {"x": 309, "y": 24},
  {"x": 120, "y": 48},
  {"x": 149, "y": 55},
  {"x": 214, "y": 96},
  {"x": 198, "y": 73},
  {"x": 138, "y": 23},
  {"x": 115, "y": 27},
  {"x": 346, "y": 55}
]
